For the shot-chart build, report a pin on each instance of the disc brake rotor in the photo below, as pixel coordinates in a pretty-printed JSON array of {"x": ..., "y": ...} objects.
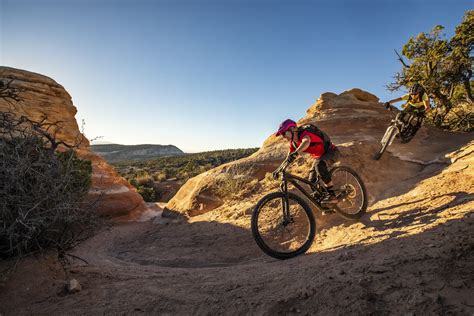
[{"x": 351, "y": 191}]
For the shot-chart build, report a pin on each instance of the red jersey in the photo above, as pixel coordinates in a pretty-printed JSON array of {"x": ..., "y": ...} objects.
[{"x": 315, "y": 149}]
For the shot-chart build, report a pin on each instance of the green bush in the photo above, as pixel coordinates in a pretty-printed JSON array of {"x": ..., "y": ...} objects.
[{"x": 147, "y": 193}]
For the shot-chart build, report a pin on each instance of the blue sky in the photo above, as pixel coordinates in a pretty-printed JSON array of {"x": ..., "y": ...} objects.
[{"x": 205, "y": 75}]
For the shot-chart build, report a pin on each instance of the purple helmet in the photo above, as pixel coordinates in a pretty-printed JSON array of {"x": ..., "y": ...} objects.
[{"x": 284, "y": 126}]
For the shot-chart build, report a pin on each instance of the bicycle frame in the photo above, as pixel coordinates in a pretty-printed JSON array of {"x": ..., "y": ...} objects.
[
  {"x": 289, "y": 178},
  {"x": 395, "y": 127}
]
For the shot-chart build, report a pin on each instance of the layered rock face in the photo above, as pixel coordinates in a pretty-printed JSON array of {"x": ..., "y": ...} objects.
[
  {"x": 356, "y": 121},
  {"x": 36, "y": 96}
]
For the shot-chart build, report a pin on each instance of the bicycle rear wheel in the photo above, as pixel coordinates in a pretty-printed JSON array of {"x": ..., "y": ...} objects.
[
  {"x": 278, "y": 237},
  {"x": 351, "y": 192}
]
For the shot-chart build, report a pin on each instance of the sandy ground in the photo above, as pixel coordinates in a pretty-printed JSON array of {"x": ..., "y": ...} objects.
[{"x": 411, "y": 254}]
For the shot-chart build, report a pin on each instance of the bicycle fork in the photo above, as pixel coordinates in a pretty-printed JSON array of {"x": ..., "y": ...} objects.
[
  {"x": 285, "y": 203},
  {"x": 389, "y": 135}
]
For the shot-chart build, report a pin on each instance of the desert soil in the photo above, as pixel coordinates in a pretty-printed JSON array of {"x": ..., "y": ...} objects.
[{"x": 411, "y": 254}]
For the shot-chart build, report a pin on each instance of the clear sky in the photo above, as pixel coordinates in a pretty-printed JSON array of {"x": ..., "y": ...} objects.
[{"x": 209, "y": 74}]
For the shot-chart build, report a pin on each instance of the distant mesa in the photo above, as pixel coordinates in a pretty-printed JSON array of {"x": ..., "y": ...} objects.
[{"x": 116, "y": 152}]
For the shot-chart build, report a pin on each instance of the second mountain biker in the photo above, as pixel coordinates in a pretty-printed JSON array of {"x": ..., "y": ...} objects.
[{"x": 418, "y": 103}]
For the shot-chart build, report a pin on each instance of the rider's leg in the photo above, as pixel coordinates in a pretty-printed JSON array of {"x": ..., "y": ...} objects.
[
  {"x": 313, "y": 172},
  {"x": 329, "y": 197},
  {"x": 410, "y": 130},
  {"x": 404, "y": 115},
  {"x": 323, "y": 172}
]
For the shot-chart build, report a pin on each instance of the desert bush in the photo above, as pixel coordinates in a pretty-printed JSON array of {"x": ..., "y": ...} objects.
[
  {"x": 42, "y": 189},
  {"x": 235, "y": 183},
  {"x": 159, "y": 176},
  {"x": 233, "y": 186},
  {"x": 148, "y": 194},
  {"x": 144, "y": 180},
  {"x": 459, "y": 118}
]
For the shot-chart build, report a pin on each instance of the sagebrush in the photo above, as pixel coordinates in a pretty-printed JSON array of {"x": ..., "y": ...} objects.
[{"x": 43, "y": 184}]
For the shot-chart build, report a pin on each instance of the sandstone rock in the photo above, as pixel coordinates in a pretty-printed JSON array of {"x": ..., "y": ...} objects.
[
  {"x": 41, "y": 96},
  {"x": 332, "y": 112},
  {"x": 73, "y": 286},
  {"x": 361, "y": 95},
  {"x": 356, "y": 122}
]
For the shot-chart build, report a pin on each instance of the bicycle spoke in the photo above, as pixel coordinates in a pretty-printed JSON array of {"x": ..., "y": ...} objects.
[{"x": 352, "y": 198}]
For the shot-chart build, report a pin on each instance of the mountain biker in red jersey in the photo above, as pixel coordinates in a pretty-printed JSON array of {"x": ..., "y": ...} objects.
[{"x": 310, "y": 139}]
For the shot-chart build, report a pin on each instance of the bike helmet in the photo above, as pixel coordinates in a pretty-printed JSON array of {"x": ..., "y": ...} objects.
[
  {"x": 417, "y": 89},
  {"x": 284, "y": 126}
]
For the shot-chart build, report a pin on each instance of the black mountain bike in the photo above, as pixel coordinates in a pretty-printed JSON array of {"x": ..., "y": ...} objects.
[
  {"x": 283, "y": 224},
  {"x": 398, "y": 128}
]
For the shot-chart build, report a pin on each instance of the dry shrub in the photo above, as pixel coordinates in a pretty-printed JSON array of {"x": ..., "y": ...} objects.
[
  {"x": 235, "y": 183},
  {"x": 42, "y": 189},
  {"x": 144, "y": 180},
  {"x": 460, "y": 118}
]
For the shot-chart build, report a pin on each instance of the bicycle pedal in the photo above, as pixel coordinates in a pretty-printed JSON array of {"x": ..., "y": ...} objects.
[
  {"x": 328, "y": 211},
  {"x": 330, "y": 202}
]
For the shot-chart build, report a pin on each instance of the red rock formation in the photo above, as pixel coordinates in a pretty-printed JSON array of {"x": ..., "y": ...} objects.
[{"x": 40, "y": 96}]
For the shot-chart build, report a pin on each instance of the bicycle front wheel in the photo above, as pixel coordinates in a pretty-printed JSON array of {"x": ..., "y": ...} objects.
[
  {"x": 281, "y": 237},
  {"x": 387, "y": 138},
  {"x": 351, "y": 193}
]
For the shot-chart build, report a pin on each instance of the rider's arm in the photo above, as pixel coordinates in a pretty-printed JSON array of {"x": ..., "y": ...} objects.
[
  {"x": 305, "y": 142},
  {"x": 395, "y": 100},
  {"x": 427, "y": 105}
]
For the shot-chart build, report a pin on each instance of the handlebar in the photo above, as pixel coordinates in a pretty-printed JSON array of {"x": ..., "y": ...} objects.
[{"x": 281, "y": 168}]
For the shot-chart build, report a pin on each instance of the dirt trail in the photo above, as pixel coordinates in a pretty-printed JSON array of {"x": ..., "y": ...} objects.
[{"x": 413, "y": 253}]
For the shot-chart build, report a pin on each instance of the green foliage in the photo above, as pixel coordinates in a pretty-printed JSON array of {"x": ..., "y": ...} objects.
[
  {"x": 179, "y": 168},
  {"x": 444, "y": 67},
  {"x": 148, "y": 193}
]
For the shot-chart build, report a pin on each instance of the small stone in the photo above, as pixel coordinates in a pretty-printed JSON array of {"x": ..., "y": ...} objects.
[
  {"x": 73, "y": 286},
  {"x": 248, "y": 211},
  {"x": 159, "y": 220}
]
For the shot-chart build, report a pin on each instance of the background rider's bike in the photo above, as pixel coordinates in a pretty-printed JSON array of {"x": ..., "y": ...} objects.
[
  {"x": 283, "y": 224},
  {"x": 406, "y": 131}
]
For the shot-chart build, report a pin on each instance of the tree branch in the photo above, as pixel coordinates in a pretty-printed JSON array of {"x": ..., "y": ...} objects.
[{"x": 401, "y": 59}]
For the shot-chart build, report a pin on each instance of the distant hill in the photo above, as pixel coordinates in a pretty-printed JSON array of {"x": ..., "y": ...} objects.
[{"x": 116, "y": 152}]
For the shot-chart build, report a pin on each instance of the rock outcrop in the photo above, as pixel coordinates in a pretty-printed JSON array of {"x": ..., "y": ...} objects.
[
  {"x": 355, "y": 121},
  {"x": 36, "y": 96}
]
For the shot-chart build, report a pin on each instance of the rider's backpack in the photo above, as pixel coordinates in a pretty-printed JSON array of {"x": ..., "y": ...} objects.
[{"x": 316, "y": 131}]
